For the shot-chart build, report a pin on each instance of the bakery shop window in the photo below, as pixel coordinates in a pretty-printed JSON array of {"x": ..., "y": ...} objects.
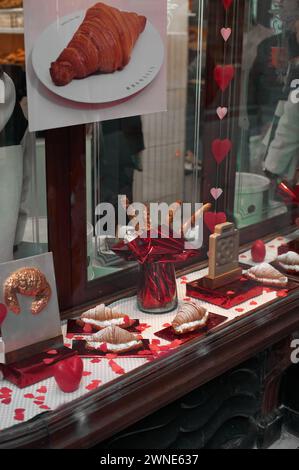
[
  {"x": 268, "y": 145},
  {"x": 23, "y": 213},
  {"x": 155, "y": 157}
]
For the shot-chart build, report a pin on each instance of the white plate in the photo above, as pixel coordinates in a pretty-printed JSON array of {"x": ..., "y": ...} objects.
[{"x": 146, "y": 61}]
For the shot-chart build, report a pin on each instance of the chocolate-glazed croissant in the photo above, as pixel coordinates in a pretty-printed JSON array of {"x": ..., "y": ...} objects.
[{"x": 30, "y": 282}]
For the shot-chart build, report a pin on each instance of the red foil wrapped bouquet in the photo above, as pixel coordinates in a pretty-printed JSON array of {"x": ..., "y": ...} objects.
[{"x": 157, "y": 251}]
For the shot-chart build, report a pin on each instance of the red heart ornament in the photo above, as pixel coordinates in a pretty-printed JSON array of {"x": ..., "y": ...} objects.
[
  {"x": 221, "y": 149},
  {"x": 3, "y": 313},
  {"x": 223, "y": 75},
  {"x": 227, "y": 3},
  {"x": 212, "y": 219},
  {"x": 68, "y": 374}
]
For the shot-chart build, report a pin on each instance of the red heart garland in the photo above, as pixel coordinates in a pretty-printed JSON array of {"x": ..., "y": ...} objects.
[
  {"x": 3, "y": 313},
  {"x": 221, "y": 149},
  {"x": 223, "y": 75},
  {"x": 227, "y": 3},
  {"x": 212, "y": 219}
]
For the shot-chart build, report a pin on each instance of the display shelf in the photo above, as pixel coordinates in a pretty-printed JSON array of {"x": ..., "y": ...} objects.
[
  {"x": 11, "y": 21},
  {"x": 11, "y": 30}
]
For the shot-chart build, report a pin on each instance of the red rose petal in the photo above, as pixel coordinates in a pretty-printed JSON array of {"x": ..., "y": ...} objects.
[
  {"x": 19, "y": 414},
  {"x": 5, "y": 390},
  {"x": 40, "y": 398},
  {"x": 42, "y": 389},
  {"x": 239, "y": 310},
  {"x": 38, "y": 402},
  {"x": 116, "y": 368},
  {"x": 253, "y": 302},
  {"x": 95, "y": 361},
  {"x": 86, "y": 373},
  {"x": 44, "y": 407},
  {"x": 167, "y": 325}
]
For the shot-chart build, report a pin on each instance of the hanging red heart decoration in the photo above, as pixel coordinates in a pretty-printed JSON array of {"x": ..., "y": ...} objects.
[
  {"x": 227, "y": 3},
  {"x": 221, "y": 149},
  {"x": 212, "y": 219},
  {"x": 3, "y": 313},
  {"x": 223, "y": 75}
]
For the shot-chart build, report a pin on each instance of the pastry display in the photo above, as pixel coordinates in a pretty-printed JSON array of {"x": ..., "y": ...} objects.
[
  {"x": 30, "y": 282},
  {"x": 289, "y": 262},
  {"x": 101, "y": 317},
  {"x": 11, "y": 4},
  {"x": 190, "y": 317},
  {"x": 265, "y": 274},
  {"x": 14, "y": 58},
  {"x": 115, "y": 339},
  {"x": 103, "y": 43}
]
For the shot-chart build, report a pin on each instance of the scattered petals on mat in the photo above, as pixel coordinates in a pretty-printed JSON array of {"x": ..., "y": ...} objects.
[
  {"x": 116, "y": 368},
  {"x": 93, "y": 385}
]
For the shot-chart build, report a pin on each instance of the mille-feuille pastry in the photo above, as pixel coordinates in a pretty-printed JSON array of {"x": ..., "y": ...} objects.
[
  {"x": 266, "y": 274},
  {"x": 289, "y": 262},
  {"x": 101, "y": 317},
  {"x": 115, "y": 339},
  {"x": 190, "y": 317}
]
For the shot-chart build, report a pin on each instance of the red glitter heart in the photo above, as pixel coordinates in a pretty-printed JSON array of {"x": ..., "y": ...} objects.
[
  {"x": 221, "y": 149},
  {"x": 223, "y": 75}
]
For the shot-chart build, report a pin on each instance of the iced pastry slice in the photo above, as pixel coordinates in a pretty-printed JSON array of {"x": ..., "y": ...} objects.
[
  {"x": 116, "y": 340},
  {"x": 190, "y": 317},
  {"x": 289, "y": 262},
  {"x": 266, "y": 274},
  {"x": 101, "y": 317}
]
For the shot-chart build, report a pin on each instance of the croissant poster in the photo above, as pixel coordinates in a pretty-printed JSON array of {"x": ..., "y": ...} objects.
[{"x": 89, "y": 61}]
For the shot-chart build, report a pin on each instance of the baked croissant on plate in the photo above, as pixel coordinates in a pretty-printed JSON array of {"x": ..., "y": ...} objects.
[
  {"x": 103, "y": 43},
  {"x": 115, "y": 339}
]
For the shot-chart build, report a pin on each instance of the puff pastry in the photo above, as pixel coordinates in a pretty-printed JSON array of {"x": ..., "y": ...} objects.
[
  {"x": 101, "y": 317},
  {"x": 116, "y": 339},
  {"x": 267, "y": 275},
  {"x": 289, "y": 262},
  {"x": 190, "y": 317}
]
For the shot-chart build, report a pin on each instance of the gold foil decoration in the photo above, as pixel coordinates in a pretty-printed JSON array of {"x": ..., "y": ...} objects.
[{"x": 30, "y": 282}]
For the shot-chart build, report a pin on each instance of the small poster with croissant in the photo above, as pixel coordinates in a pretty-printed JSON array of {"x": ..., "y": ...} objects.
[
  {"x": 90, "y": 61},
  {"x": 29, "y": 312}
]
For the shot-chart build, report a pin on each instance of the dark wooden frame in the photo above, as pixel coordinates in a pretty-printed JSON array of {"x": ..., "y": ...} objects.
[{"x": 66, "y": 181}]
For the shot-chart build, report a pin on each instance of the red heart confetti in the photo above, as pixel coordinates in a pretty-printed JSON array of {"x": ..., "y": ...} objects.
[
  {"x": 40, "y": 398},
  {"x": 52, "y": 352},
  {"x": 93, "y": 385},
  {"x": 19, "y": 414},
  {"x": 29, "y": 395},
  {"x": 86, "y": 373},
  {"x": 5, "y": 391},
  {"x": 239, "y": 310},
  {"x": 166, "y": 325},
  {"x": 6, "y": 401},
  {"x": 223, "y": 76},
  {"x": 253, "y": 302},
  {"x": 44, "y": 407},
  {"x": 42, "y": 389},
  {"x": 96, "y": 360},
  {"x": 38, "y": 402},
  {"x": 116, "y": 368}
]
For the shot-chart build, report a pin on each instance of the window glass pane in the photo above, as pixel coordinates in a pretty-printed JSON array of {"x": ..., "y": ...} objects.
[
  {"x": 269, "y": 124},
  {"x": 157, "y": 157},
  {"x": 23, "y": 208}
]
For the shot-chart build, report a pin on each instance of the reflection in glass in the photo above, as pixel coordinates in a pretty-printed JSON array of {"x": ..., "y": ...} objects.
[
  {"x": 151, "y": 158},
  {"x": 267, "y": 150}
]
